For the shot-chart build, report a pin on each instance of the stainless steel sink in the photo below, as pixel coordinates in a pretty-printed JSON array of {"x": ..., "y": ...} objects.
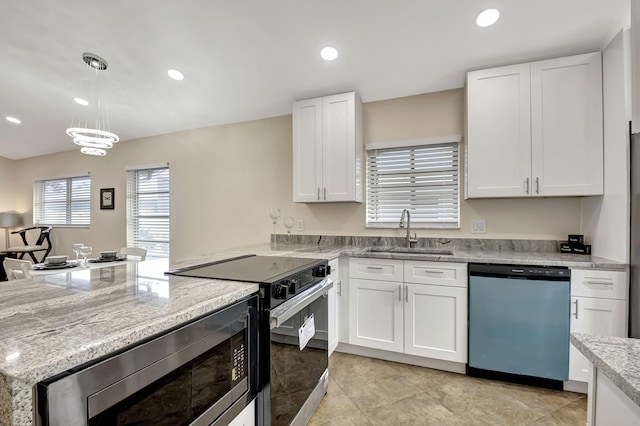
[{"x": 413, "y": 250}]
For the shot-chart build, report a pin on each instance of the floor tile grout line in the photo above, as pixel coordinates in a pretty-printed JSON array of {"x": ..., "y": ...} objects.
[{"x": 352, "y": 401}]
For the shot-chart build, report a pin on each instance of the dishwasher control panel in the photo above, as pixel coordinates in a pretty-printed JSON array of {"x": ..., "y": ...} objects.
[{"x": 525, "y": 271}]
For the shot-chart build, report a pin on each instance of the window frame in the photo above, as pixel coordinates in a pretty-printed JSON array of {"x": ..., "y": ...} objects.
[
  {"x": 132, "y": 205},
  {"x": 451, "y": 221},
  {"x": 39, "y": 206}
]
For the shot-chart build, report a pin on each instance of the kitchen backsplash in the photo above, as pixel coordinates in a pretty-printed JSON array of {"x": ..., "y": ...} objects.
[{"x": 540, "y": 246}]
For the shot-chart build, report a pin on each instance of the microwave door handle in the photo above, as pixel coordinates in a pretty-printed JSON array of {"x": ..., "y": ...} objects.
[{"x": 292, "y": 306}]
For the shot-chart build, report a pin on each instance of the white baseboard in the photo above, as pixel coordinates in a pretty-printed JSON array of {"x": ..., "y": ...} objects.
[{"x": 573, "y": 386}]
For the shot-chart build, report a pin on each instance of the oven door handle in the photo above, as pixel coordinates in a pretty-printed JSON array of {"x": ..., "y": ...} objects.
[{"x": 292, "y": 306}]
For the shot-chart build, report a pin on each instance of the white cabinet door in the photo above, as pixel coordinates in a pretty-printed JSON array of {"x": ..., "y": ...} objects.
[
  {"x": 436, "y": 322},
  {"x": 498, "y": 140},
  {"x": 605, "y": 317},
  {"x": 334, "y": 307},
  {"x": 566, "y": 126},
  {"x": 376, "y": 314},
  {"x": 307, "y": 150},
  {"x": 635, "y": 65},
  {"x": 339, "y": 147},
  {"x": 327, "y": 149}
]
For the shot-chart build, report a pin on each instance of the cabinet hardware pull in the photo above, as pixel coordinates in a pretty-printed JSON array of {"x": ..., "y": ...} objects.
[
  {"x": 537, "y": 185},
  {"x": 325, "y": 192},
  {"x": 517, "y": 270},
  {"x": 399, "y": 292},
  {"x": 318, "y": 193},
  {"x": 406, "y": 293},
  {"x": 379, "y": 268},
  {"x": 339, "y": 288},
  {"x": 600, "y": 282},
  {"x": 576, "y": 314},
  {"x": 430, "y": 271},
  {"x": 527, "y": 183}
]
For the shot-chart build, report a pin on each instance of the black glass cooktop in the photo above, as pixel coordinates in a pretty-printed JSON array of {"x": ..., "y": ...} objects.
[{"x": 255, "y": 269}]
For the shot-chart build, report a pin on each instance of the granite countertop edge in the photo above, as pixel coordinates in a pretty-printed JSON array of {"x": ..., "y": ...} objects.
[{"x": 618, "y": 358}]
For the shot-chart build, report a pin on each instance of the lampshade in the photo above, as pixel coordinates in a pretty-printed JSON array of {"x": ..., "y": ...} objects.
[
  {"x": 8, "y": 220},
  {"x": 90, "y": 127}
]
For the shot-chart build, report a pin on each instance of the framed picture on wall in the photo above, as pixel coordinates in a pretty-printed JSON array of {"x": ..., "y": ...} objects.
[{"x": 106, "y": 198}]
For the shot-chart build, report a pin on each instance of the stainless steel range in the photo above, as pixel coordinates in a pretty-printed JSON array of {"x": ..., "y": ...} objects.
[{"x": 293, "y": 348}]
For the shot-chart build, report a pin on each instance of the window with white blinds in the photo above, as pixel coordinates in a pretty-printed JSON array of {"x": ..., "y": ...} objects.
[
  {"x": 421, "y": 178},
  {"x": 62, "y": 202},
  {"x": 148, "y": 210}
]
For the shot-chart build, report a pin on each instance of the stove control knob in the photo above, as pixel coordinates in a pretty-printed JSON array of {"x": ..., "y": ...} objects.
[
  {"x": 281, "y": 290},
  {"x": 321, "y": 271}
]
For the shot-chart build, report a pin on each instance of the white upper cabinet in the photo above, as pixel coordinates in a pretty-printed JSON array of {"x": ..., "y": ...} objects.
[
  {"x": 327, "y": 149},
  {"x": 535, "y": 129},
  {"x": 498, "y": 132}
]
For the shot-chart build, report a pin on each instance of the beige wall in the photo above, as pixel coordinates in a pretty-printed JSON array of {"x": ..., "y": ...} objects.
[{"x": 224, "y": 179}]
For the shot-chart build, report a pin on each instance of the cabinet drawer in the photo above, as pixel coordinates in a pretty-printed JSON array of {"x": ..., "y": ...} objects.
[
  {"x": 437, "y": 273},
  {"x": 598, "y": 283},
  {"x": 376, "y": 269}
]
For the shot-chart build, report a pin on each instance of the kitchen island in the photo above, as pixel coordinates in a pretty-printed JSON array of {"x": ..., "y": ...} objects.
[
  {"x": 614, "y": 387},
  {"x": 56, "y": 322}
]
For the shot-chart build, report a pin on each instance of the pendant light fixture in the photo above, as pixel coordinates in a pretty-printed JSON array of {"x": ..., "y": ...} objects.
[{"x": 90, "y": 129}]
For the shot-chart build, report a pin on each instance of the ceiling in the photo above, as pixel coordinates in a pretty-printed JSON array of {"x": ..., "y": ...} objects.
[{"x": 250, "y": 59}]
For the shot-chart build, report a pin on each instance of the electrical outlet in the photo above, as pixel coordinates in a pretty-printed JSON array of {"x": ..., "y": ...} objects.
[
  {"x": 478, "y": 226},
  {"x": 300, "y": 224}
]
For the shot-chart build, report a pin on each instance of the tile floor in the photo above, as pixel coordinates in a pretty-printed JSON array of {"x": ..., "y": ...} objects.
[{"x": 366, "y": 391}]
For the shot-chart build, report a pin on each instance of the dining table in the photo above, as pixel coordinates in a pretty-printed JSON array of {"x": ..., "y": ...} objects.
[{"x": 73, "y": 266}]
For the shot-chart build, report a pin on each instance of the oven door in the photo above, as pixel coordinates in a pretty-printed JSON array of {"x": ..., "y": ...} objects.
[
  {"x": 299, "y": 355},
  {"x": 200, "y": 374}
]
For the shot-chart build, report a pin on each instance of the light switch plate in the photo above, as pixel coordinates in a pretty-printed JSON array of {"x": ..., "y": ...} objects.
[
  {"x": 300, "y": 224},
  {"x": 478, "y": 226}
]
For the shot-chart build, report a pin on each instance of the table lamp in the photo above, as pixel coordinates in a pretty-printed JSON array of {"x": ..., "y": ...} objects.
[{"x": 8, "y": 220}]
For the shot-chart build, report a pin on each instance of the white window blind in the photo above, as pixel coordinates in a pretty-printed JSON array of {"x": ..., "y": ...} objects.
[
  {"x": 421, "y": 178},
  {"x": 148, "y": 210},
  {"x": 65, "y": 201}
]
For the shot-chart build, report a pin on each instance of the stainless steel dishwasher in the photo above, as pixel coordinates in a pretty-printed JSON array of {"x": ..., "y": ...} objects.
[{"x": 519, "y": 323}]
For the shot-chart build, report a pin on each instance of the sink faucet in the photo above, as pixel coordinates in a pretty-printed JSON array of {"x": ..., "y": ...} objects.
[{"x": 410, "y": 241}]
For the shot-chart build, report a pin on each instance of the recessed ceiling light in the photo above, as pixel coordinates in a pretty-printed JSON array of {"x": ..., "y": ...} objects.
[
  {"x": 81, "y": 101},
  {"x": 13, "y": 120},
  {"x": 175, "y": 74},
  {"x": 329, "y": 53},
  {"x": 487, "y": 17}
]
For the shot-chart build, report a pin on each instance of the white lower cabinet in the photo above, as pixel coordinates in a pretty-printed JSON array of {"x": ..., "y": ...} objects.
[
  {"x": 598, "y": 306},
  {"x": 426, "y": 318},
  {"x": 435, "y": 322},
  {"x": 605, "y": 317},
  {"x": 333, "y": 300},
  {"x": 376, "y": 314}
]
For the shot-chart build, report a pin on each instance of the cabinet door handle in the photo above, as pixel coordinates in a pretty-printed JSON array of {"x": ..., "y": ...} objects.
[
  {"x": 600, "y": 282},
  {"x": 430, "y": 271},
  {"x": 527, "y": 186},
  {"x": 325, "y": 192},
  {"x": 339, "y": 288},
  {"x": 378, "y": 268},
  {"x": 399, "y": 292},
  {"x": 406, "y": 293},
  {"x": 576, "y": 314},
  {"x": 318, "y": 193},
  {"x": 537, "y": 185}
]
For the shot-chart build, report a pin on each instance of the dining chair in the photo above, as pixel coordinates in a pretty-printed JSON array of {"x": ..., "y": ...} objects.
[
  {"x": 17, "y": 269},
  {"x": 140, "y": 253},
  {"x": 43, "y": 243}
]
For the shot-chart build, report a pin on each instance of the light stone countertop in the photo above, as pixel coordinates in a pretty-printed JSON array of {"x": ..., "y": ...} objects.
[
  {"x": 476, "y": 255},
  {"x": 618, "y": 358},
  {"x": 54, "y": 322}
]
